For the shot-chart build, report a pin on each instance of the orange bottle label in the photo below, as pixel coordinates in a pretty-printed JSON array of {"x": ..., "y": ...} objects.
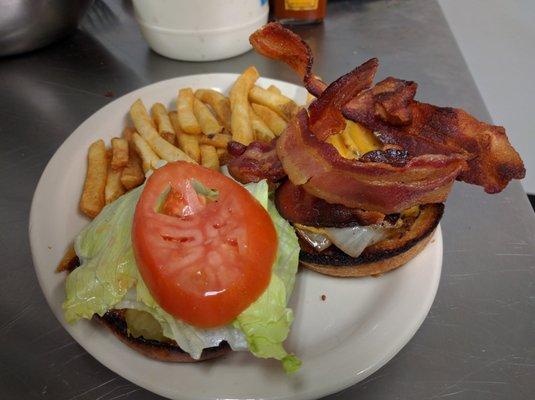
[{"x": 301, "y": 5}]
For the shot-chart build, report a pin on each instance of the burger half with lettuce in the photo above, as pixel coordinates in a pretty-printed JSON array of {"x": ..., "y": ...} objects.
[{"x": 187, "y": 267}]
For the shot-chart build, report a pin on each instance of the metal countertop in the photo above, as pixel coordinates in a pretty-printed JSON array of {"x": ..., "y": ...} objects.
[{"x": 478, "y": 341}]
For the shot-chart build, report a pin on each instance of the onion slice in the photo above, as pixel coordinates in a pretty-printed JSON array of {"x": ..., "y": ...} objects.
[
  {"x": 352, "y": 240},
  {"x": 355, "y": 239},
  {"x": 317, "y": 240}
]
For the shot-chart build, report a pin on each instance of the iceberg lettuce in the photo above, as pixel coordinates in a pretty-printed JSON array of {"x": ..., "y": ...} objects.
[
  {"x": 266, "y": 322},
  {"x": 108, "y": 278},
  {"x": 107, "y": 265}
]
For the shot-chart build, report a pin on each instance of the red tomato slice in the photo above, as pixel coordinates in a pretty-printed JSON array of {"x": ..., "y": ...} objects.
[{"x": 206, "y": 261}]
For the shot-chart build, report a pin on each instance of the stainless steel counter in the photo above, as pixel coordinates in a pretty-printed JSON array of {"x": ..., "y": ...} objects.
[{"x": 478, "y": 341}]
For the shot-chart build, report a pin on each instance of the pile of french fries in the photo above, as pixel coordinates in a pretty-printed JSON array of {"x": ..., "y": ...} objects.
[{"x": 198, "y": 131}]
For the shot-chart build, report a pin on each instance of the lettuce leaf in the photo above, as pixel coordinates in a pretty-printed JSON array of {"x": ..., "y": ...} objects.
[
  {"x": 190, "y": 339},
  {"x": 108, "y": 278},
  {"x": 266, "y": 322},
  {"x": 107, "y": 266}
]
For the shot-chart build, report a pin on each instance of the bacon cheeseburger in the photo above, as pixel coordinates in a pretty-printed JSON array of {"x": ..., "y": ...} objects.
[{"x": 363, "y": 172}]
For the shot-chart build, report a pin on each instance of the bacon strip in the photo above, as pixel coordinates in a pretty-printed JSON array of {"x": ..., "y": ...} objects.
[
  {"x": 368, "y": 185},
  {"x": 278, "y": 43},
  {"x": 255, "y": 162},
  {"x": 445, "y": 143},
  {"x": 394, "y": 157},
  {"x": 325, "y": 116},
  {"x": 389, "y": 109},
  {"x": 317, "y": 165},
  {"x": 392, "y": 96},
  {"x": 298, "y": 206}
]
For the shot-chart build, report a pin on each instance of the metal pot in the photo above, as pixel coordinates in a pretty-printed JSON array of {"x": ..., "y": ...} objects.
[{"x": 30, "y": 24}]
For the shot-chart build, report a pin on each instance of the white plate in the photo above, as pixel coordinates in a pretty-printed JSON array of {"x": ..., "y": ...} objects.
[{"x": 360, "y": 326}]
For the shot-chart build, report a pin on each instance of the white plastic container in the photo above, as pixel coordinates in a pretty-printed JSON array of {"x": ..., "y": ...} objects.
[{"x": 201, "y": 30}]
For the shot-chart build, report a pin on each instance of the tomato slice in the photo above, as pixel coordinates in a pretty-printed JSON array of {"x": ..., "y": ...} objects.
[{"x": 204, "y": 261}]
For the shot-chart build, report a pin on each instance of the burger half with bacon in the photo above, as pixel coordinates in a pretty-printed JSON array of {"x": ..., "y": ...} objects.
[{"x": 371, "y": 209}]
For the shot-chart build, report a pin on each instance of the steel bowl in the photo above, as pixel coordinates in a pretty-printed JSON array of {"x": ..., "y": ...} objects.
[{"x": 30, "y": 24}]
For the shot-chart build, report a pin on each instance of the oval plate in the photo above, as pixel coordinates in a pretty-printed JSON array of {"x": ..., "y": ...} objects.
[{"x": 359, "y": 326}]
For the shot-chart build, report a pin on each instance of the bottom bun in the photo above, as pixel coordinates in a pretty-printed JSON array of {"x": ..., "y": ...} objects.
[
  {"x": 169, "y": 351},
  {"x": 163, "y": 351},
  {"x": 381, "y": 257}
]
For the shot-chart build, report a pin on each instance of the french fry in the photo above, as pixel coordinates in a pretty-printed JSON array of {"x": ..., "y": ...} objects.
[
  {"x": 119, "y": 151},
  {"x": 149, "y": 158},
  {"x": 223, "y": 155},
  {"x": 127, "y": 134},
  {"x": 261, "y": 130},
  {"x": 274, "y": 89},
  {"x": 68, "y": 261},
  {"x": 186, "y": 117},
  {"x": 209, "y": 158},
  {"x": 241, "y": 128},
  {"x": 173, "y": 117},
  {"x": 169, "y": 137},
  {"x": 163, "y": 124},
  {"x": 189, "y": 144},
  {"x": 217, "y": 102},
  {"x": 132, "y": 175},
  {"x": 92, "y": 200},
  {"x": 207, "y": 121},
  {"x": 218, "y": 140},
  {"x": 114, "y": 188},
  {"x": 273, "y": 120},
  {"x": 279, "y": 103},
  {"x": 160, "y": 146}
]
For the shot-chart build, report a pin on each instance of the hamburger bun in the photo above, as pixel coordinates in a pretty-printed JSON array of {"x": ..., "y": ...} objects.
[
  {"x": 163, "y": 351},
  {"x": 381, "y": 257},
  {"x": 169, "y": 351}
]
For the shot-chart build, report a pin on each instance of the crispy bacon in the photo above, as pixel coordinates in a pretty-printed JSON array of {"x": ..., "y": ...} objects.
[
  {"x": 371, "y": 186},
  {"x": 389, "y": 109},
  {"x": 236, "y": 149},
  {"x": 444, "y": 143},
  {"x": 392, "y": 97},
  {"x": 276, "y": 42},
  {"x": 325, "y": 116},
  {"x": 394, "y": 157},
  {"x": 255, "y": 162},
  {"x": 298, "y": 206}
]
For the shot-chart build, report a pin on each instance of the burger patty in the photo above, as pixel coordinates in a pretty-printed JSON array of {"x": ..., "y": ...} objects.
[
  {"x": 414, "y": 231},
  {"x": 296, "y": 205}
]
